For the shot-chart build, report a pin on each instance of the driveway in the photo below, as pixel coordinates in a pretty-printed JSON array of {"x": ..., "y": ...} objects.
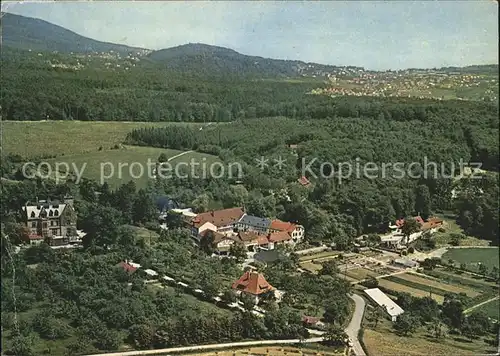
[{"x": 355, "y": 324}]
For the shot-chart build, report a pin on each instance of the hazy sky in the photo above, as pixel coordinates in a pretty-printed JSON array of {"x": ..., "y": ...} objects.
[{"x": 376, "y": 35}]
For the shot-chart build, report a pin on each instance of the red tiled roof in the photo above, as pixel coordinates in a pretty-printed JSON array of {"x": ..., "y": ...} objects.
[
  {"x": 304, "y": 181},
  {"x": 279, "y": 236},
  {"x": 262, "y": 240},
  {"x": 217, "y": 235},
  {"x": 252, "y": 283},
  {"x": 434, "y": 220},
  {"x": 431, "y": 223},
  {"x": 35, "y": 237},
  {"x": 400, "y": 222},
  {"x": 127, "y": 267},
  {"x": 282, "y": 226},
  {"x": 311, "y": 320},
  {"x": 248, "y": 235},
  {"x": 218, "y": 217}
]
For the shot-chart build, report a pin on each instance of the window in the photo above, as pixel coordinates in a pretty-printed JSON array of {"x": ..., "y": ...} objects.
[
  {"x": 32, "y": 214},
  {"x": 33, "y": 224},
  {"x": 56, "y": 213},
  {"x": 51, "y": 222},
  {"x": 51, "y": 213}
]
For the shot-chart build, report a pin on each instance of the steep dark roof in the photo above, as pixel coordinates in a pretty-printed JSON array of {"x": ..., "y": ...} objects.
[
  {"x": 164, "y": 203},
  {"x": 255, "y": 221}
]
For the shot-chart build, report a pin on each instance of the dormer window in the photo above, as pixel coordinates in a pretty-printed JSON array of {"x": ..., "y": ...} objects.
[
  {"x": 56, "y": 212},
  {"x": 51, "y": 213},
  {"x": 33, "y": 214}
]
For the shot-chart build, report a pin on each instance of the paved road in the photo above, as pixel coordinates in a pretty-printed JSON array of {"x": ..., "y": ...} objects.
[
  {"x": 355, "y": 324},
  {"x": 180, "y": 350}
]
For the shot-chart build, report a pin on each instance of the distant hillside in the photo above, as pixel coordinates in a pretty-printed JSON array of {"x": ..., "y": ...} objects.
[
  {"x": 35, "y": 34},
  {"x": 206, "y": 58}
]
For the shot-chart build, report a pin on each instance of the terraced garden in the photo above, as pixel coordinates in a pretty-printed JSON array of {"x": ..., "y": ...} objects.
[
  {"x": 432, "y": 285},
  {"x": 415, "y": 291},
  {"x": 439, "y": 282},
  {"x": 361, "y": 273}
]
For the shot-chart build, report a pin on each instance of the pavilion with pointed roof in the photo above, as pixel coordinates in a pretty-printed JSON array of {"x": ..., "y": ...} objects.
[{"x": 252, "y": 283}]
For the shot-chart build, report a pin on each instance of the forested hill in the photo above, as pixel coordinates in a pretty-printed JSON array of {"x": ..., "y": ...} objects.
[
  {"x": 35, "y": 34},
  {"x": 214, "y": 59}
]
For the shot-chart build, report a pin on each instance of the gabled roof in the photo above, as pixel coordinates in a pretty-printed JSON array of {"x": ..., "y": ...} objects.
[
  {"x": 311, "y": 320},
  {"x": 252, "y": 283},
  {"x": 127, "y": 267},
  {"x": 279, "y": 236},
  {"x": 255, "y": 221},
  {"x": 218, "y": 217},
  {"x": 303, "y": 181},
  {"x": 400, "y": 222},
  {"x": 247, "y": 236},
  {"x": 50, "y": 209},
  {"x": 431, "y": 223},
  {"x": 383, "y": 300},
  {"x": 282, "y": 225},
  {"x": 35, "y": 237}
]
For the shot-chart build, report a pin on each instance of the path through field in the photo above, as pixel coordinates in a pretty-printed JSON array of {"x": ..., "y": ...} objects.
[
  {"x": 478, "y": 305},
  {"x": 178, "y": 155}
]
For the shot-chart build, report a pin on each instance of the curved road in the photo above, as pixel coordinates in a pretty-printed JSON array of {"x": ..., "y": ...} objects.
[
  {"x": 355, "y": 324},
  {"x": 351, "y": 330},
  {"x": 177, "y": 350}
]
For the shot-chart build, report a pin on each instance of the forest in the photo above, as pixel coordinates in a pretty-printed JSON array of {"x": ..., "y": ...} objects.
[{"x": 78, "y": 302}]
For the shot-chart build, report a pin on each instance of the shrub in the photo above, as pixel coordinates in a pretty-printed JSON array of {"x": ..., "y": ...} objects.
[{"x": 411, "y": 249}]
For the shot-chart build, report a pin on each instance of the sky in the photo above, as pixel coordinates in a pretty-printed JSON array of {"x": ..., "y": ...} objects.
[{"x": 376, "y": 35}]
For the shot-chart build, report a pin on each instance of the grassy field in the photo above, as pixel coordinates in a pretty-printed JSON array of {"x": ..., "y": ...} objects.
[
  {"x": 492, "y": 309},
  {"x": 106, "y": 162},
  {"x": 417, "y": 292},
  {"x": 431, "y": 284},
  {"x": 473, "y": 256},
  {"x": 320, "y": 255},
  {"x": 141, "y": 233},
  {"x": 361, "y": 273},
  {"x": 382, "y": 341},
  {"x": 41, "y": 138},
  {"x": 462, "y": 279},
  {"x": 311, "y": 267},
  {"x": 450, "y": 227}
]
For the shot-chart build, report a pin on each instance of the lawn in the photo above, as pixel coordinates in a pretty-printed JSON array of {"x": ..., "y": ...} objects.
[
  {"x": 122, "y": 165},
  {"x": 473, "y": 256},
  {"x": 492, "y": 309},
  {"x": 142, "y": 233},
  {"x": 311, "y": 267},
  {"x": 56, "y": 138},
  {"x": 382, "y": 341},
  {"x": 450, "y": 226}
]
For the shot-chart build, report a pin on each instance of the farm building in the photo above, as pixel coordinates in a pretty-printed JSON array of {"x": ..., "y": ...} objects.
[
  {"x": 382, "y": 300},
  {"x": 405, "y": 262}
]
